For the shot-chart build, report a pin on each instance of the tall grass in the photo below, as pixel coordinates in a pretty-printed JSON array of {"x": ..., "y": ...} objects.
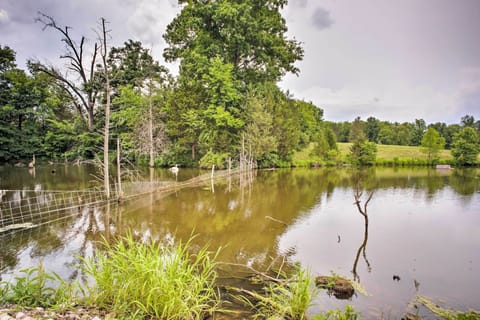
[{"x": 166, "y": 282}]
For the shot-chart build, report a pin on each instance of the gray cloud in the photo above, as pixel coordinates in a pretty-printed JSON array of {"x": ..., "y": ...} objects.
[
  {"x": 300, "y": 3},
  {"x": 321, "y": 19},
  {"x": 4, "y": 17}
]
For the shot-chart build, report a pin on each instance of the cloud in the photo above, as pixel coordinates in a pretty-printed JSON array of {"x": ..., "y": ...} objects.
[
  {"x": 300, "y": 3},
  {"x": 4, "y": 17},
  {"x": 321, "y": 19}
]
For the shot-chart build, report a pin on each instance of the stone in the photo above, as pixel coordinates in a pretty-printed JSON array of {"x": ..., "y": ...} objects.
[
  {"x": 340, "y": 288},
  {"x": 5, "y": 316},
  {"x": 20, "y": 315}
]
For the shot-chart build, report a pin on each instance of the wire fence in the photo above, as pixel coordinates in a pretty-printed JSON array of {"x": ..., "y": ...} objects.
[{"x": 23, "y": 209}]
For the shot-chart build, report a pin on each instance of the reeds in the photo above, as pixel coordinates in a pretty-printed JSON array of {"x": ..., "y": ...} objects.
[{"x": 166, "y": 282}]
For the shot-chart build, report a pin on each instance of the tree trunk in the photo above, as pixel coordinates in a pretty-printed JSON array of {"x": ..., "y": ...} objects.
[
  {"x": 106, "y": 134},
  {"x": 150, "y": 126}
]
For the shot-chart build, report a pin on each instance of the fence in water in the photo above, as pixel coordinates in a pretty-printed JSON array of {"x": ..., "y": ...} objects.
[{"x": 20, "y": 209}]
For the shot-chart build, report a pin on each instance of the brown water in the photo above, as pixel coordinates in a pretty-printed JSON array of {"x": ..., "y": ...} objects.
[{"x": 424, "y": 227}]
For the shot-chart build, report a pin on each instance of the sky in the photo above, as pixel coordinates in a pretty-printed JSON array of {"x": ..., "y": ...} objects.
[{"x": 394, "y": 60}]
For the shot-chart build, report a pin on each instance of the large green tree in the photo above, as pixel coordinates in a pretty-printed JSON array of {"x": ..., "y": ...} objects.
[
  {"x": 226, "y": 49},
  {"x": 466, "y": 146},
  {"x": 250, "y": 35}
]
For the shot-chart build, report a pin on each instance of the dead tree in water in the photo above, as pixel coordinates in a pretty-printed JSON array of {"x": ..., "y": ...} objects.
[
  {"x": 363, "y": 211},
  {"x": 362, "y": 249}
]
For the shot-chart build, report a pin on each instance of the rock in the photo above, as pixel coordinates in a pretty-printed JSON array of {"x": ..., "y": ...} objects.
[
  {"x": 5, "y": 316},
  {"x": 96, "y": 318},
  {"x": 20, "y": 315},
  {"x": 339, "y": 287}
]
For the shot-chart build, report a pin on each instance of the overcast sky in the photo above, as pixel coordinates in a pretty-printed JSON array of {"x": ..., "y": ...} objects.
[{"x": 394, "y": 60}]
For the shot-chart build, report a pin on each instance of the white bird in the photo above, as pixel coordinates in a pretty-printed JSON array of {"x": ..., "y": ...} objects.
[
  {"x": 31, "y": 165},
  {"x": 174, "y": 169}
]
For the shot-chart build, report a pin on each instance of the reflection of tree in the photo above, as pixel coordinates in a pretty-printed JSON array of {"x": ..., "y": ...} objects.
[
  {"x": 464, "y": 181},
  {"x": 362, "y": 249}
]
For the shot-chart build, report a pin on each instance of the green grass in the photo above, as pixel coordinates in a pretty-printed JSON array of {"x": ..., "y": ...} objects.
[
  {"x": 389, "y": 152},
  {"x": 151, "y": 280},
  {"x": 386, "y": 155}
]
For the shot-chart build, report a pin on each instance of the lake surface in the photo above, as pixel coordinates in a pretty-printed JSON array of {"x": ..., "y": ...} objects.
[{"x": 424, "y": 228}]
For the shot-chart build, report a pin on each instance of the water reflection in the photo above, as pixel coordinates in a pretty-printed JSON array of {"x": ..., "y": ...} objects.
[
  {"x": 297, "y": 213},
  {"x": 363, "y": 247}
]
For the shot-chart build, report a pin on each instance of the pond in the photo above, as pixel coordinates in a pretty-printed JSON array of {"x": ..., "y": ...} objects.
[{"x": 422, "y": 238}]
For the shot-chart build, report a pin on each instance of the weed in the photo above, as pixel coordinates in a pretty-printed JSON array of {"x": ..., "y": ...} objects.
[{"x": 37, "y": 288}]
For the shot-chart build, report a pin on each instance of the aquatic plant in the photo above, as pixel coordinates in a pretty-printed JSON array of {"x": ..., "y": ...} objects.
[
  {"x": 287, "y": 298},
  {"x": 447, "y": 314},
  {"x": 161, "y": 281},
  {"x": 348, "y": 314}
]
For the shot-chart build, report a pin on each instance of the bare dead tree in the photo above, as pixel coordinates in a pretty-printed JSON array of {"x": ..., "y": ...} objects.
[
  {"x": 106, "y": 135},
  {"x": 362, "y": 249},
  {"x": 80, "y": 88}
]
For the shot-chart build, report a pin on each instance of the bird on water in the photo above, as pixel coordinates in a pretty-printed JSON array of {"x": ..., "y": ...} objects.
[{"x": 31, "y": 165}]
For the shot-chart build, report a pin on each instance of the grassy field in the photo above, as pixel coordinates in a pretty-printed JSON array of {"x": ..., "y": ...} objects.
[
  {"x": 400, "y": 152},
  {"x": 385, "y": 154}
]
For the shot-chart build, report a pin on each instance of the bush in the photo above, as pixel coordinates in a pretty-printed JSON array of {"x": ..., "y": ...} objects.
[{"x": 363, "y": 153}]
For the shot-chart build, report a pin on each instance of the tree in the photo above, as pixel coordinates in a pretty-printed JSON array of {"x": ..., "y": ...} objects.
[
  {"x": 82, "y": 88},
  {"x": 363, "y": 153},
  {"x": 372, "y": 129},
  {"x": 259, "y": 130},
  {"x": 133, "y": 66},
  {"x": 432, "y": 143},
  {"x": 356, "y": 131},
  {"x": 250, "y": 35},
  {"x": 417, "y": 132},
  {"x": 106, "y": 74},
  {"x": 466, "y": 146}
]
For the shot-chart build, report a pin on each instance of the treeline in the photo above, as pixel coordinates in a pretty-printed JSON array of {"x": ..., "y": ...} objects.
[
  {"x": 224, "y": 102},
  {"x": 395, "y": 133}
]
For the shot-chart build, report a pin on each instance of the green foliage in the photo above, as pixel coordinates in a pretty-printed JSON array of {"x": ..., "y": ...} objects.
[
  {"x": 211, "y": 158},
  {"x": 466, "y": 147},
  {"x": 363, "y": 153},
  {"x": 432, "y": 143},
  {"x": 357, "y": 130},
  {"x": 250, "y": 35},
  {"x": 161, "y": 281},
  {"x": 348, "y": 314},
  {"x": 372, "y": 129},
  {"x": 259, "y": 129},
  {"x": 37, "y": 288}
]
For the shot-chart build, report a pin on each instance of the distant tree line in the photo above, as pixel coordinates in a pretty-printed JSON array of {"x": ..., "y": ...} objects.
[
  {"x": 224, "y": 104},
  {"x": 395, "y": 133}
]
